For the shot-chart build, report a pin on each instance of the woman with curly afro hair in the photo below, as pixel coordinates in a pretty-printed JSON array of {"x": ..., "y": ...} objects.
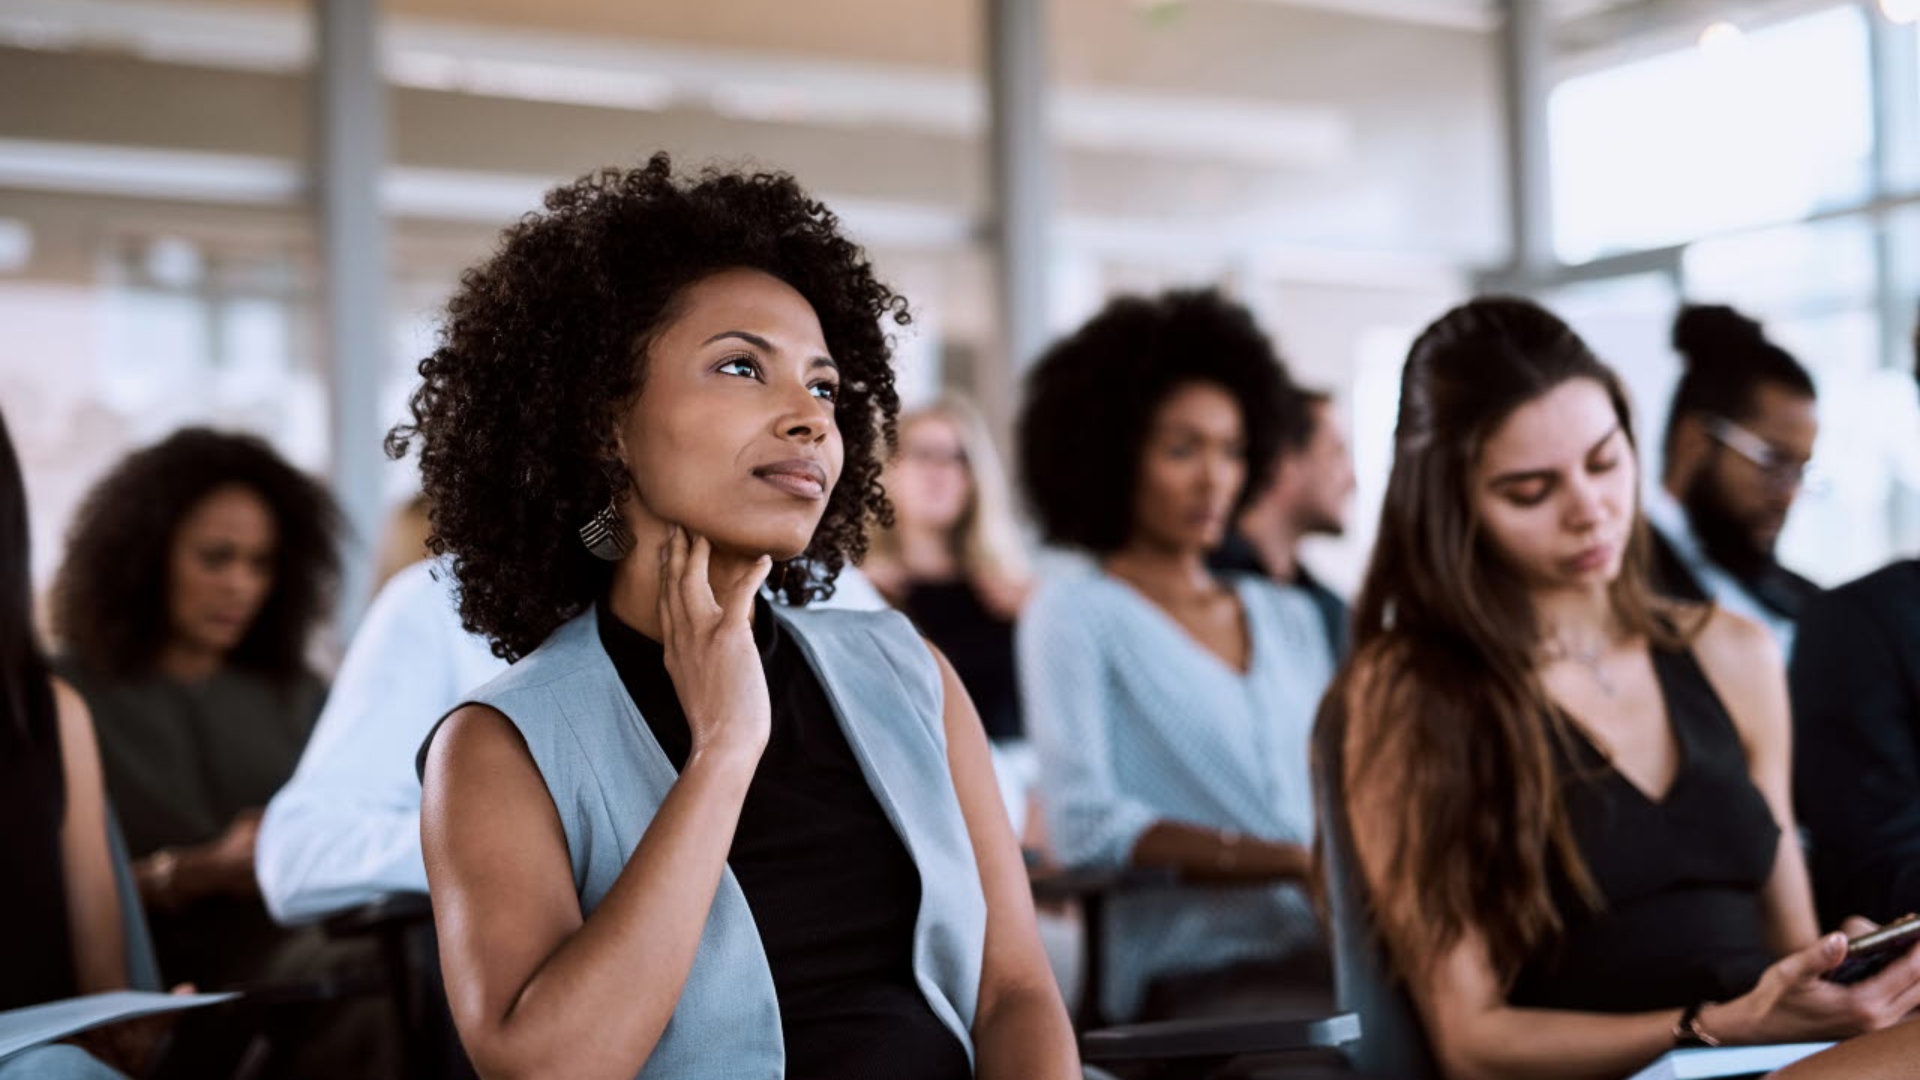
[
  {"x": 1171, "y": 708},
  {"x": 776, "y": 828},
  {"x": 196, "y": 571}
]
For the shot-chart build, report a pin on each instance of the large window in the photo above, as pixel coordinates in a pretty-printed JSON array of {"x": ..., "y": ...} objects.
[
  {"x": 1744, "y": 129},
  {"x": 1726, "y": 162}
]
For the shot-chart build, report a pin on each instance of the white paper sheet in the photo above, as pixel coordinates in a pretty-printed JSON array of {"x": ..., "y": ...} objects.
[
  {"x": 1702, "y": 1064},
  {"x": 37, "y": 1025}
]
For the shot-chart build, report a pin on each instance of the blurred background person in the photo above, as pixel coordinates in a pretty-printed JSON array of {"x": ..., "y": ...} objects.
[
  {"x": 1740, "y": 434},
  {"x": 345, "y": 830},
  {"x": 196, "y": 573},
  {"x": 954, "y": 563},
  {"x": 1170, "y": 706},
  {"x": 59, "y": 913},
  {"x": 1856, "y": 712},
  {"x": 1310, "y": 495},
  {"x": 1570, "y": 801}
]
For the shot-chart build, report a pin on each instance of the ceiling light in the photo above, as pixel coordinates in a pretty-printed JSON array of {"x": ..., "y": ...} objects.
[{"x": 1721, "y": 37}]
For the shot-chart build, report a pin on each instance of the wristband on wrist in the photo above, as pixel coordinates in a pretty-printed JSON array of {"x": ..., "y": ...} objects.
[
  {"x": 1228, "y": 856},
  {"x": 1687, "y": 1030},
  {"x": 163, "y": 868}
]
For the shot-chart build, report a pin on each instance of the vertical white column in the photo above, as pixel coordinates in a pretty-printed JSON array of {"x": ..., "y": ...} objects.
[
  {"x": 1525, "y": 53},
  {"x": 1020, "y": 218},
  {"x": 1895, "y": 52},
  {"x": 351, "y": 123}
]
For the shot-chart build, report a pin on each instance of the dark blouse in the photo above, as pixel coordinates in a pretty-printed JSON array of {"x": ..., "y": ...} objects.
[
  {"x": 38, "y": 956},
  {"x": 833, "y": 890},
  {"x": 181, "y": 761},
  {"x": 979, "y": 645},
  {"x": 1681, "y": 878}
]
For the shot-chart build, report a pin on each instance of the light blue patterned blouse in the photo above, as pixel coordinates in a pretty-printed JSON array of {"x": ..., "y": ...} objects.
[{"x": 1136, "y": 722}]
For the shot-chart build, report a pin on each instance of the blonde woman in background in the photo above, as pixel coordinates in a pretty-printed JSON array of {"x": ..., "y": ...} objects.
[{"x": 954, "y": 563}]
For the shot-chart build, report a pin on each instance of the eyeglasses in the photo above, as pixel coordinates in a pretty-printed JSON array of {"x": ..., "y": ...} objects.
[
  {"x": 934, "y": 458},
  {"x": 1779, "y": 469}
]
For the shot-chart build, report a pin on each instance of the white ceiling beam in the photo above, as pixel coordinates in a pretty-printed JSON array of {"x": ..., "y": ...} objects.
[
  {"x": 491, "y": 199},
  {"x": 575, "y": 69},
  {"x": 1475, "y": 15}
]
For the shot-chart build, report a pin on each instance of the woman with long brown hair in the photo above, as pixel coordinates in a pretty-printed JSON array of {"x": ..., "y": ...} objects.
[{"x": 1569, "y": 801}]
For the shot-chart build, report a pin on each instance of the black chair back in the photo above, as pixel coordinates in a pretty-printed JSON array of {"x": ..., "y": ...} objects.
[{"x": 1393, "y": 1041}]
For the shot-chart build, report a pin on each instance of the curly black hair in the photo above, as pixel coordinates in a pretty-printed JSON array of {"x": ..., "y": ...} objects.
[
  {"x": 110, "y": 599},
  {"x": 1091, "y": 397},
  {"x": 541, "y": 354}
]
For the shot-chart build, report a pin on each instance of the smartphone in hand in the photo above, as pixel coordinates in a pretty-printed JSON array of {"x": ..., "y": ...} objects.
[{"x": 1869, "y": 953}]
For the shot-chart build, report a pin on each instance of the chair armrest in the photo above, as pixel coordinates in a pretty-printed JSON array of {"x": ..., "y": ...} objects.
[
  {"x": 380, "y": 916},
  {"x": 1173, "y": 1039}
]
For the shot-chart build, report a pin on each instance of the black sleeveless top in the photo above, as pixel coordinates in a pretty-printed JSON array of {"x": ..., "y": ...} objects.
[
  {"x": 833, "y": 890},
  {"x": 979, "y": 645},
  {"x": 33, "y": 903},
  {"x": 1681, "y": 878}
]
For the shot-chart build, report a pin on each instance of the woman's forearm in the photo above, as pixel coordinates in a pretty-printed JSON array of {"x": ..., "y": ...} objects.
[
  {"x": 1024, "y": 1035},
  {"x": 1219, "y": 856},
  {"x": 597, "y": 1005},
  {"x": 1546, "y": 1044}
]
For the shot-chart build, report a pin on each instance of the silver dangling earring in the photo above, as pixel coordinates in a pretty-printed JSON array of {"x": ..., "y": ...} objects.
[{"x": 605, "y": 533}]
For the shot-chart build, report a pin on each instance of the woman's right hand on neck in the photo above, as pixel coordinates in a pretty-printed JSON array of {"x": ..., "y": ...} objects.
[{"x": 706, "y": 629}]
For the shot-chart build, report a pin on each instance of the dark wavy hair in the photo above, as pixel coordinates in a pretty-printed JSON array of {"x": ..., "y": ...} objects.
[
  {"x": 1091, "y": 397},
  {"x": 25, "y": 692},
  {"x": 1454, "y": 714},
  {"x": 111, "y": 594},
  {"x": 1727, "y": 357},
  {"x": 542, "y": 352}
]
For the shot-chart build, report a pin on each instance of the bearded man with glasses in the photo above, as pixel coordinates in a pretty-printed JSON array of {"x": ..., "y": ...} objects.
[{"x": 1739, "y": 438}]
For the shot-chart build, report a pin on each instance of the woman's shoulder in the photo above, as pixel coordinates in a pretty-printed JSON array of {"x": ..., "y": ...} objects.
[
  {"x": 1732, "y": 645},
  {"x": 1074, "y": 594},
  {"x": 474, "y": 740},
  {"x": 565, "y": 651},
  {"x": 1743, "y": 665}
]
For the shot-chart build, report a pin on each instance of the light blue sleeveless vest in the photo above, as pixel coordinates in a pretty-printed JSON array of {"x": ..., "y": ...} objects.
[{"x": 608, "y": 776}]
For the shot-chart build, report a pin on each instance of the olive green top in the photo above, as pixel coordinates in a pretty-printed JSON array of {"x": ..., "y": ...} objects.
[{"x": 181, "y": 759}]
